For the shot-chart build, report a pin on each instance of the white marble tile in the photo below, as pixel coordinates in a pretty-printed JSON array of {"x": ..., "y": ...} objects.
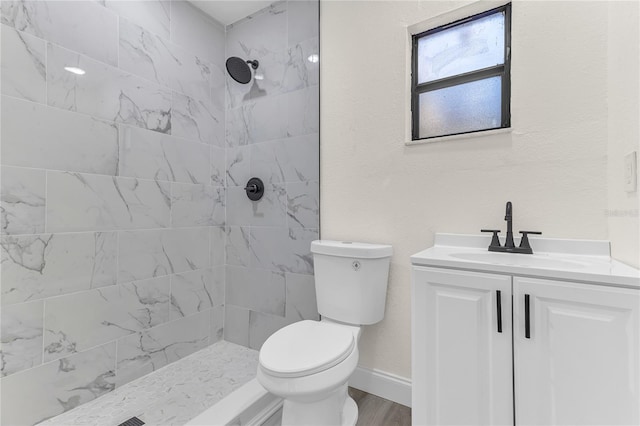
[
  {"x": 262, "y": 120},
  {"x": 23, "y": 65},
  {"x": 197, "y": 32},
  {"x": 302, "y": 66},
  {"x": 39, "y": 136},
  {"x": 217, "y": 243},
  {"x": 81, "y": 202},
  {"x": 144, "y": 352},
  {"x": 218, "y": 164},
  {"x": 261, "y": 326},
  {"x": 270, "y": 210},
  {"x": 197, "y": 205},
  {"x": 78, "y": 321},
  {"x": 303, "y": 111},
  {"x": 106, "y": 92},
  {"x": 153, "y": 15},
  {"x": 191, "y": 292},
  {"x": 302, "y": 20},
  {"x": 152, "y": 155},
  {"x": 22, "y": 200},
  {"x": 197, "y": 120},
  {"x": 37, "y": 394},
  {"x": 282, "y": 249},
  {"x": 238, "y": 168},
  {"x": 218, "y": 85},
  {"x": 146, "y": 254},
  {"x": 303, "y": 204},
  {"x": 218, "y": 286},
  {"x": 216, "y": 333},
  {"x": 154, "y": 58},
  {"x": 301, "y": 297},
  {"x": 83, "y": 26},
  {"x": 236, "y": 325},
  {"x": 173, "y": 395},
  {"x": 21, "y": 337},
  {"x": 287, "y": 160},
  {"x": 39, "y": 266},
  {"x": 256, "y": 289},
  {"x": 238, "y": 251}
]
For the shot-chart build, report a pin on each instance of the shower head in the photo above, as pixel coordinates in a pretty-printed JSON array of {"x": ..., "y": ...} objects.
[{"x": 239, "y": 70}]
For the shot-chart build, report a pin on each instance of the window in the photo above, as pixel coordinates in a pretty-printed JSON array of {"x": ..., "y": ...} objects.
[{"x": 461, "y": 76}]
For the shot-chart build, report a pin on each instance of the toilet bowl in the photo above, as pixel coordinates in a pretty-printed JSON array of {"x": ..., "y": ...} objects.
[{"x": 309, "y": 363}]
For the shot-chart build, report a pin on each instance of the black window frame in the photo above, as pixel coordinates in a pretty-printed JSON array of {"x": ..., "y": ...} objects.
[{"x": 503, "y": 70}]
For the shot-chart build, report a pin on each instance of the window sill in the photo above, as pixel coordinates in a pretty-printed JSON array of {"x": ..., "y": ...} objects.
[{"x": 473, "y": 135}]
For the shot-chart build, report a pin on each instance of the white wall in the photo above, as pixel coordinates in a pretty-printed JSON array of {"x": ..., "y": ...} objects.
[
  {"x": 624, "y": 127},
  {"x": 553, "y": 166}
]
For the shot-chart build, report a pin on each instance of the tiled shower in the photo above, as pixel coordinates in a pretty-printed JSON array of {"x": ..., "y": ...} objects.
[{"x": 127, "y": 239}]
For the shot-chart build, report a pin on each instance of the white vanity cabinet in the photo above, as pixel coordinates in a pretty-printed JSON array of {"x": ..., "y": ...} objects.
[
  {"x": 580, "y": 363},
  {"x": 497, "y": 344},
  {"x": 461, "y": 362}
]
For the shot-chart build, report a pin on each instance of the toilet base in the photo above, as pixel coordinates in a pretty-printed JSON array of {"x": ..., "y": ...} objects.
[{"x": 336, "y": 409}]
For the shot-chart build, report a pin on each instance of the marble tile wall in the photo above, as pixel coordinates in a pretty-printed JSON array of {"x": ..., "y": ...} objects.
[
  {"x": 112, "y": 196},
  {"x": 272, "y": 133}
]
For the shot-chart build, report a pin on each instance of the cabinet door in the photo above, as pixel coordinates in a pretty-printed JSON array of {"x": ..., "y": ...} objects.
[
  {"x": 462, "y": 365},
  {"x": 580, "y": 364}
]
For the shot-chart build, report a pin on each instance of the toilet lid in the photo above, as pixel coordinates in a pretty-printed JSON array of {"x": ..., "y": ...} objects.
[{"x": 305, "y": 348}]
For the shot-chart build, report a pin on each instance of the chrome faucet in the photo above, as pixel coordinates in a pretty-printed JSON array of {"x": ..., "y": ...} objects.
[{"x": 509, "y": 245}]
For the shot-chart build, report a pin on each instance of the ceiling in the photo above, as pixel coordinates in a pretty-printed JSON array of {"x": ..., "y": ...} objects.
[{"x": 229, "y": 11}]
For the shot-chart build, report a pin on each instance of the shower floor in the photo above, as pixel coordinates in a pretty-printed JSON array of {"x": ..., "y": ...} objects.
[{"x": 174, "y": 394}]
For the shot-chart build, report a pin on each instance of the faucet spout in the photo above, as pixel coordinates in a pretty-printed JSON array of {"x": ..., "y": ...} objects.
[{"x": 509, "y": 243}]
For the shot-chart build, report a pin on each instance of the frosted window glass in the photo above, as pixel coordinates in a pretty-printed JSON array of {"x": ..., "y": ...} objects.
[
  {"x": 468, "y": 47},
  {"x": 462, "y": 108}
]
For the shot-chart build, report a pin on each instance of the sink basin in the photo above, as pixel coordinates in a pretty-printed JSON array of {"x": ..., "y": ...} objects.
[{"x": 525, "y": 260}]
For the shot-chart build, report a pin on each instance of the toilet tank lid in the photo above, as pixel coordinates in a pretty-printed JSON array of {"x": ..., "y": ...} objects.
[{"x": 351, "y": 249}]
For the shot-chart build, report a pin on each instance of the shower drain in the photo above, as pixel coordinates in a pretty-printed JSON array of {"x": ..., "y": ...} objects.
[{"x": 133, "y": 421}]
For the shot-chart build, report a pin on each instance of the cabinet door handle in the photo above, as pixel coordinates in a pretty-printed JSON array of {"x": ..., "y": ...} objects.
[
  {"x": 527, "y": 318},
  {"x": 499, "y": 308}
]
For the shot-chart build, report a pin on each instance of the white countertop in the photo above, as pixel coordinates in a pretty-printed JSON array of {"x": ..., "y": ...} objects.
[{"x": 576, "y": 260}]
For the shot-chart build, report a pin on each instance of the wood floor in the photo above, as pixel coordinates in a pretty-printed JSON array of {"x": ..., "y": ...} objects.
[{"x": 376, "y": 411}]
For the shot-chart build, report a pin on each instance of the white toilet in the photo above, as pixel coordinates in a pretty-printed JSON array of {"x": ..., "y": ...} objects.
[{"x": 309, "y": 363}]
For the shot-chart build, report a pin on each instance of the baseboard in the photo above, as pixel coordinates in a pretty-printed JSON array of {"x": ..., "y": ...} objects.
[{"x": 382, "y": 384}]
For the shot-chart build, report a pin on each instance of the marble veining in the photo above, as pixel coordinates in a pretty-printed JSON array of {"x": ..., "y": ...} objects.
[
  {"x": 35, "y": 395},
  {"x": 82, "y": 202},
  {"x": 144, "y": 352},
  {"x": 154, "y": 253},
  {"x": 149, "y": 56},
  {"x": 45, "y": 265},
  {"x": 176, "y": 393},
  {"x": 22, "y": 200},
  {"x": 35, "y": 135},
  {"x": 153, "y": 15},
  {"x": 108, "y": 313},
  {"x": 151, "y": 155},
  {"x": 196, "y": 291},
  {"x": 197, "y": 205},
  {"x": 197, "y": 119},
  {"x": 21, "y": 337},
  {"x": 83, "y": 26},
  {"x": 23, "y": 65},
  {"x": 106, "y": 92}
]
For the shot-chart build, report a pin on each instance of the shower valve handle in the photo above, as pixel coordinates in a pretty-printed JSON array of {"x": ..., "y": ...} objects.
[{"x": 254, "y": 189}]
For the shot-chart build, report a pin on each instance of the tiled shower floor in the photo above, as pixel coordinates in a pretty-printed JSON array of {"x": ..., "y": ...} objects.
[{"x": 174, "y": 394}]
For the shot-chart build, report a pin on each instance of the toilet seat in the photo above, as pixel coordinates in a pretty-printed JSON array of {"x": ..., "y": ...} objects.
[{"x": 305, "y": 348}]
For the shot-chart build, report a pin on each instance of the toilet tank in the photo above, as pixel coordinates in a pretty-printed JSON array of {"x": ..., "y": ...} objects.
[{"x": 351, "y": 280}]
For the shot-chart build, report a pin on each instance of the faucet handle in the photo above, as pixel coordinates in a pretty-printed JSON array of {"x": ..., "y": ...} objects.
[
  {"x": 495, "y": 241},
  {"x": 524, "y": 242}
]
